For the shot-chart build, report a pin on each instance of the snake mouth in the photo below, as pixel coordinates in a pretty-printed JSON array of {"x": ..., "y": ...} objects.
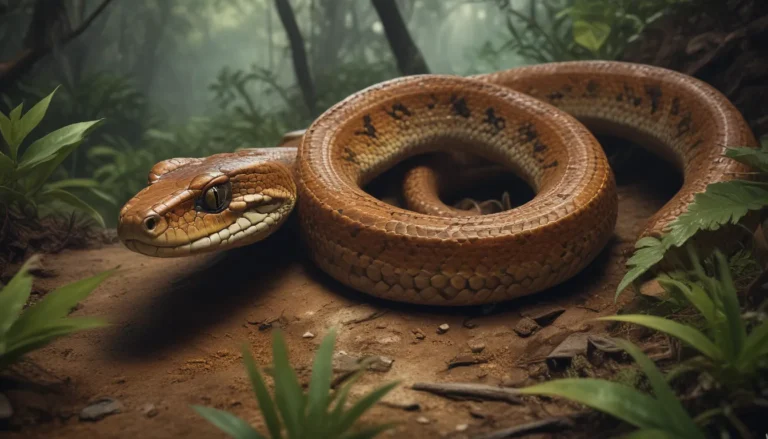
[{"x": 252, "y": 226}]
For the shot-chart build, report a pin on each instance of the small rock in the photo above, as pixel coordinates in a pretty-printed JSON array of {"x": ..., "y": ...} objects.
[
  {"x": 526, "y": 327},
  {"x": 476, "y": 346},
  {"x": 422, "y": 420},
  {"x": 469, "y": 324},
  {"x": 381, "y": 326},
  {"x": 308, "y": 335},
  {"x": 6, "y": 410},
  {"x": 418, "y": 334},
  {"x": 343, "y": 362},
  {"x": 101, "y": 409},
  {"x": 149, "y": 410},
  {"x": 462, "y": 427},
  {"x": 654, "y": 290},
  {"x": 442, "y": 329},
  {"x": 381, "y": 364},
  {"x": 120, "y": 380},
  {"x": 546, "y": 316}
]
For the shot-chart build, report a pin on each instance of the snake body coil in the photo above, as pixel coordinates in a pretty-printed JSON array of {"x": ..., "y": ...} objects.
[{"x": 531, "y": 120}]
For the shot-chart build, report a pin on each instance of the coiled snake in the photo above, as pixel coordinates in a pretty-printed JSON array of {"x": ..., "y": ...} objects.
[{"x": 533, "y": 120}]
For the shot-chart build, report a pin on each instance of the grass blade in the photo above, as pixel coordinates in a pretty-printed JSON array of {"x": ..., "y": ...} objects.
[
  {"x": 266, "y": 404},
  {"x": 684, "y": 333},
  {"x": 320, "y": 383},
  {"x": 696, "y": 296},
  {"x": 362, "y": 405},
  {"x": 677, "y": 419},
  {"x": 56, "y": 305},
  {"x": 618, "y": 400},
  {"x": 755, "y": 346},
  {"x": 288, "y": 394},
  {"x": 13, "y": 297},
  {"x": 731, "y": 308},
  {"x": 228, "y": 423}
]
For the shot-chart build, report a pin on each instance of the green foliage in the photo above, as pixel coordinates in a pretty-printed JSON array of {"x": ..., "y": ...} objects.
[
  {"x": 318, "y": 413},
  {"x": 659, "y": 416},
  {"x": 720, "y": 204},
  {"x": 38, "y": 325},
  {"x": 566, "y": 30},
  {"x": 24, "y": 182},
  {"x": 728, "y": 351}
]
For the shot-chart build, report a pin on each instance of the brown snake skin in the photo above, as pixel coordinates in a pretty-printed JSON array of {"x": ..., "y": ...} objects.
[{"x": 530, "y": 119}]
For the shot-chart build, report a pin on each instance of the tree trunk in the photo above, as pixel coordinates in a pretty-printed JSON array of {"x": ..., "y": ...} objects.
[
  {"x": 299, "y": 52},
  {"x": 410, "y": 61},
  {"x": 40, "y": 41}
]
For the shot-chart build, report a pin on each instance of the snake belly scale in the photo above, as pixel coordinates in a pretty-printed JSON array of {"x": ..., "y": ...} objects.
[{"x": 534, "y": 120}]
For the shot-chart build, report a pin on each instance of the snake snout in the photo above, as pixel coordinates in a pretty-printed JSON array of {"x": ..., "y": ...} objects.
[{"x": 143, "y": 227}]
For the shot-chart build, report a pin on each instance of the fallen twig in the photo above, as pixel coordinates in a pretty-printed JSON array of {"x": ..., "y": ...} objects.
[
  {"x": 543, "y": 425},
  {"x": 468, "y": 391}
]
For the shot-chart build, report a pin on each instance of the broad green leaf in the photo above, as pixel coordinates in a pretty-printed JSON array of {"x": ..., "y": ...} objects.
[
  {"x": 32, "y": 118},
  {"x": 13, "y": 297},
  {"x": 650, "y": 251},
  {"x": 35, "y": 177},
  {"x": 320, "y": 381},
  {"x": 677, "y": 419},
  {"x": 686, "y": 334},
  {"x": 618, "y": 400},
  {"x": 73, "y": 201},
  {"x": 15, "y": 114},
  {"x": 6, "y": 129},
  {"x": 7, "y": 165},
  {"x": 55, "y": 305},
  {"x": 591, "y": 34},
  {"x": 73, "y": 183},
  {"x": 47, "y": 147},
  {"x": 351, "y": 416},
  {"x": 756, "y": 158},
  {"x": 228, "y": 423},
  {"x": 288, "y": 394},
  {"x": 266, "y": 405},
  {"x": 721, "y": 203}
]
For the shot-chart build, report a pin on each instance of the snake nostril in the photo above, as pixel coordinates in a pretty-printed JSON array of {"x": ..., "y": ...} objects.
[{"x": 150, "y": 223}]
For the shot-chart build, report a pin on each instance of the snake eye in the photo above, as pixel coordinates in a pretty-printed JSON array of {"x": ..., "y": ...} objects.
[{"x": 216, "y": 198}]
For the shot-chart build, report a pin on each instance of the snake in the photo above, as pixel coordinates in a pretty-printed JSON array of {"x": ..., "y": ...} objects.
[{"x": 539, "y": 122}]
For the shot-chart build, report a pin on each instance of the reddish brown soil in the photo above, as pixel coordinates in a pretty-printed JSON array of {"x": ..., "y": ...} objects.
[{"x": 177, "y": 325}]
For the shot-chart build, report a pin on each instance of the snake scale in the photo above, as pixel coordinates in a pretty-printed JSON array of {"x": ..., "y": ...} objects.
[{"x": 537, "y": 121}]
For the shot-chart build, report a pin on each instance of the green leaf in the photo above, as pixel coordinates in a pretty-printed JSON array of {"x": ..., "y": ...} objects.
[
  {"x": 34, "y": 178},
  {"x": 13, "y": 297},
  {"x": 46, "y": 335},
  {"x": 103, "y": 195},
  {"x": 102, "y": 151},
  {"x": 341, "y": 400},
  {"x": 15, "y": 114},
  {"x": 649, "y": 433},
  {"x": 756, "y": 158},
  {"x": 755, "y": 346},
  {"x": 320, "y": 381},
  {"x": 46, "y": 148},
  {"x": 686, "y": 334},
  {"x": 591, "y": 34},
  {"x": 615, "y": 399},
  {"x": 73, "y": 183},
  {"x": 695, "y": 295},
  {"x": 721, "y": 203},
  {"x": 228, "y": 423},
  {"x": 650, "y": 251},
  {"x": 727, "y": 291},
  {"x": 6, "y": 129},
  {"x": 362, "y": 405},
  {"x": 288, "y": 394},
  {"x": 55, "y": 305},
  {"x": 7, "y": 165},
  {"x": 676, "y": 418},
  {"x": 73, "y": 201},
  {"x": 266, "y": 405},
  {"x": 32, "y": 119},
  {"x": 8, "y": 195}
]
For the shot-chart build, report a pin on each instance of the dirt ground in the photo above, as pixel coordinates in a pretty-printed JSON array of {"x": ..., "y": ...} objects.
[{"x": 178, "y": 324}]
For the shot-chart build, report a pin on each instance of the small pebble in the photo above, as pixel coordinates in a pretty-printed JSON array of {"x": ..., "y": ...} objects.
[
  {"x": 381, "y": 364},
  {"x": 308, "y": 335},
  {"x": 418, "y": 334},
  {"x": 476, "y": 346},
  {"x": 149, "y": 410},
  {"x": 6, "y": 410},
  {"x": 422, "y": 420},
  {"x": 462, "y": 427},
  {"x": 442, "y": 329},
  {"x": 101, "y": 409}
]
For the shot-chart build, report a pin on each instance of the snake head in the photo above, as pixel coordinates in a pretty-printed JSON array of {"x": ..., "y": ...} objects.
[{"x": 216, "y": 203}]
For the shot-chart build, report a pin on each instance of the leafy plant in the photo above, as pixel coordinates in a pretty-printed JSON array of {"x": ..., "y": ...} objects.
[
  {"x": 24, "y": 178},
  {"x": 662, "y": 416},
  {"x": 720, "y": 204},
  {"x": 319, "y": 413},
  {"x": 731, "y": 353},
  {"x": 40, "y": 324}
]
